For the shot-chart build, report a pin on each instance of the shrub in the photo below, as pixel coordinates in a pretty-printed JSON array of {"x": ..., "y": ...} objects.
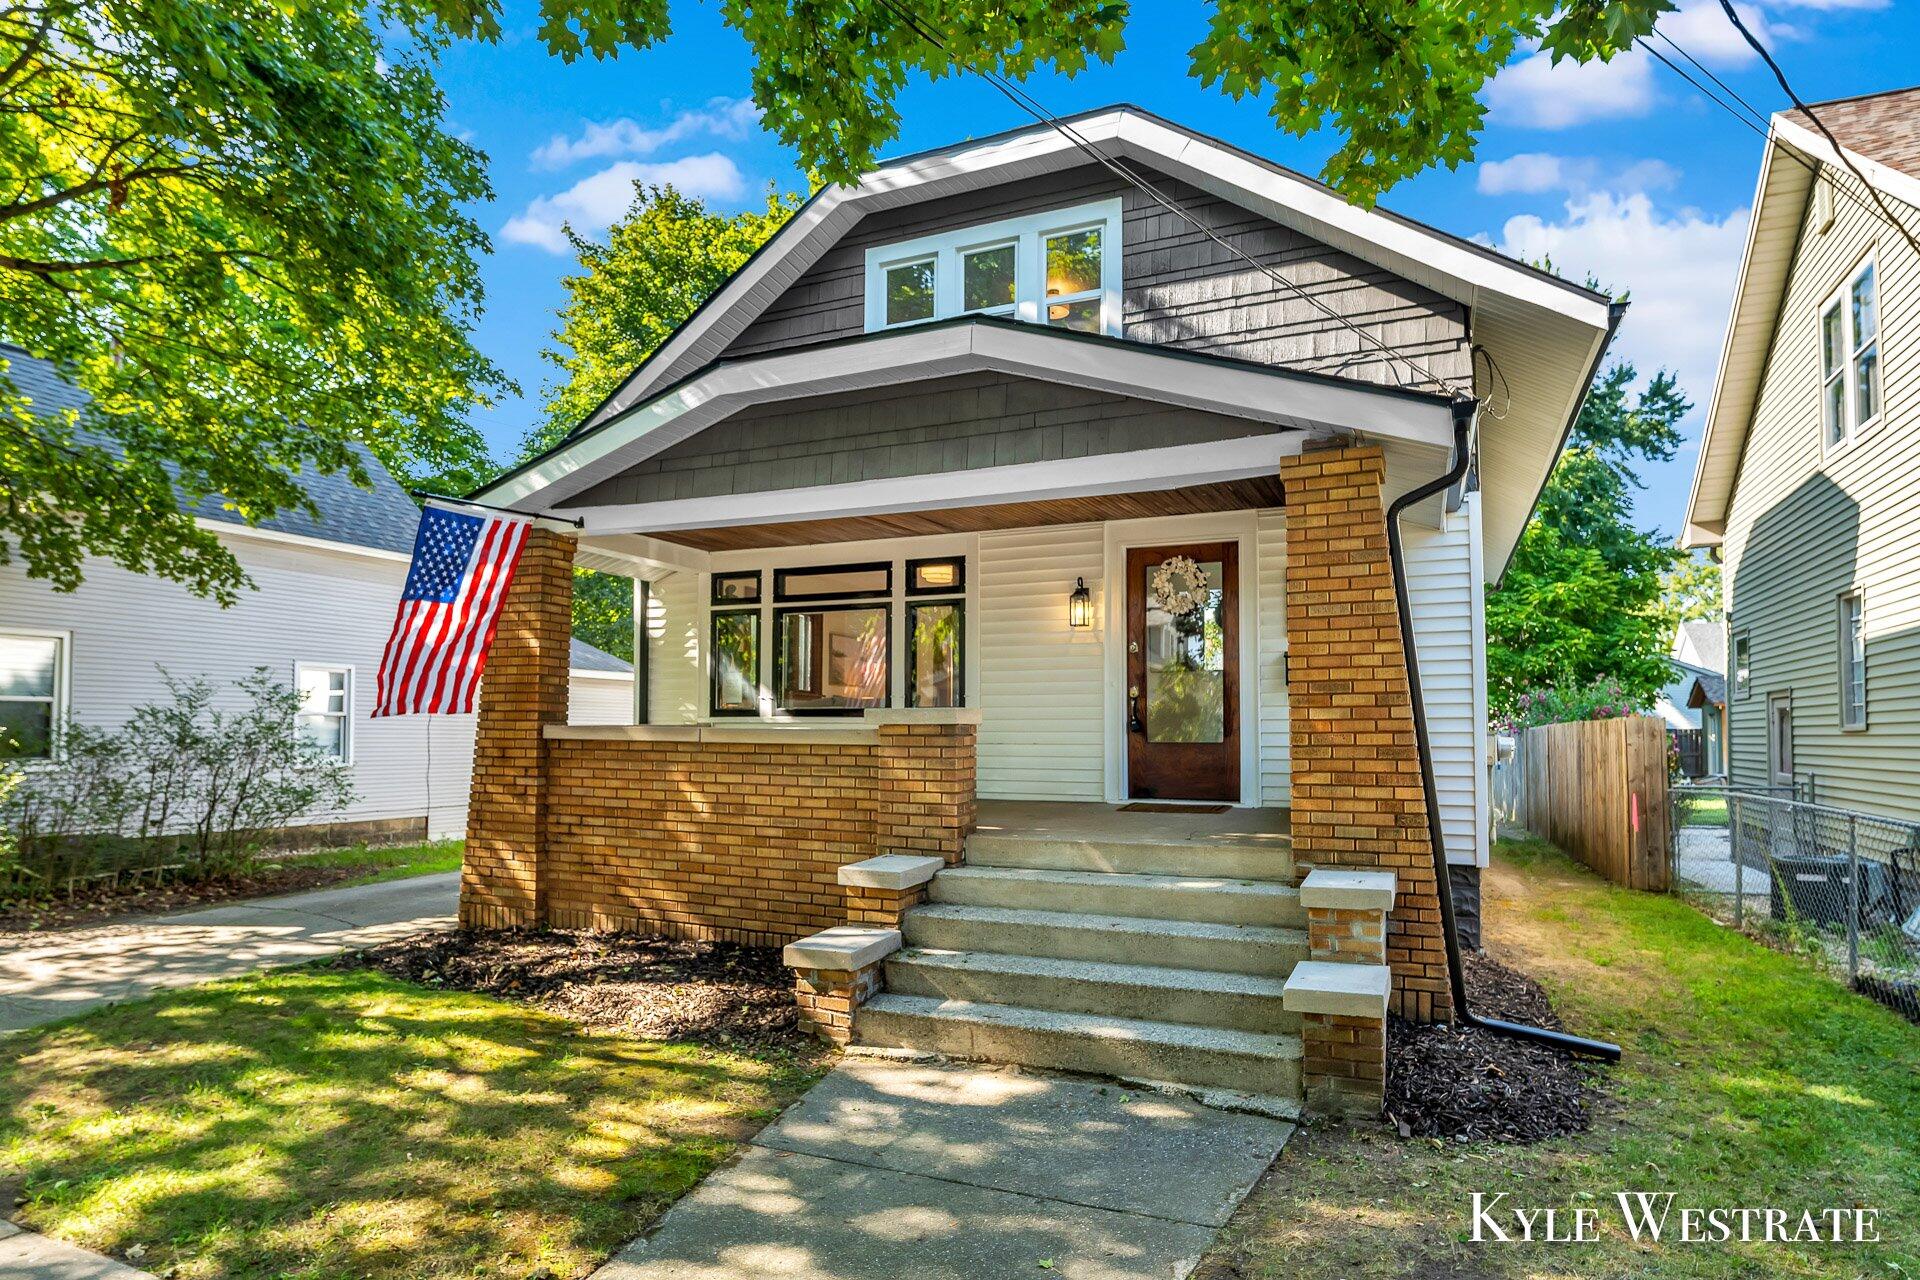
[
  {"x": 1602, "y": 699},
  {"x": 187, "y": 784}
]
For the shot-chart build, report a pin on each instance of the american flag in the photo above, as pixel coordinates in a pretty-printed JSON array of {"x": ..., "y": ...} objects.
[{"x": 449, "y": 608}]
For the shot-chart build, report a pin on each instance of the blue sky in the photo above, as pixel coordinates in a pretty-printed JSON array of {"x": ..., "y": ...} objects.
[{"x": 1620, "y": 170}]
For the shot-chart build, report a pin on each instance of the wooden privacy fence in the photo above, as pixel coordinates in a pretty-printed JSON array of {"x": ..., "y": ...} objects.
[{"x": 1598, "y": 789}]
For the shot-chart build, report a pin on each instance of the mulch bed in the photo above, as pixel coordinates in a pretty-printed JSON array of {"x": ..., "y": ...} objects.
[
  {"x": 716, "y": 993},
  {"x": 104, "y": 903},
  {"x": 1466, "y": 1084}
]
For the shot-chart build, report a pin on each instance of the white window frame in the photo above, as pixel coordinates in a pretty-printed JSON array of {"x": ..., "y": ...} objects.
[
  {"x": 1849, "y": 427},
  {"x": 62, "y": 688},
  {"x": 1030, "y": 234},
  {"x": 346, "y": 717},
  {"x": 1852, "y": 620}
]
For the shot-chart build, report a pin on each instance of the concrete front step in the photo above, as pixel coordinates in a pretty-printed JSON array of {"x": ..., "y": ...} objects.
[
  {"x": 1071, "y": 935},
  {"x": 1202, "y": 998},
  {"x": 1223, "y": 860},
  {"x": 1150, "y": 897},
  {"x": 1201, "y": 1057}
]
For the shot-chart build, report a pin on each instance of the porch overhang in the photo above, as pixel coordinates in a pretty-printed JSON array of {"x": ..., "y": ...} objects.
[{"x": 1305, "y": 405}]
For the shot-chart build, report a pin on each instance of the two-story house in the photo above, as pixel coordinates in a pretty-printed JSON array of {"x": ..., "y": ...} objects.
[{"x": 1808, "y": 483}]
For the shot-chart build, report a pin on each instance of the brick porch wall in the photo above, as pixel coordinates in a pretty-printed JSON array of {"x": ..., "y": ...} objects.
[
  {"x": 1357, "y": 794},
  {"x": 718, "y": 834}
]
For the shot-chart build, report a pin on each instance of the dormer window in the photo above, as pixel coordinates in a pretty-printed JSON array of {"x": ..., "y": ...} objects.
[{"x": 1060, "y": 268}]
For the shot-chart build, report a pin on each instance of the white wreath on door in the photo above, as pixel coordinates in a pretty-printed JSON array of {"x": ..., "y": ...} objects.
[{"x": 1179, "y": 586}]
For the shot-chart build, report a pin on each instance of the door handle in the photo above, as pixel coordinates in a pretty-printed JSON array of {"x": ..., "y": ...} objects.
[{"x": 1134, "y": 724}]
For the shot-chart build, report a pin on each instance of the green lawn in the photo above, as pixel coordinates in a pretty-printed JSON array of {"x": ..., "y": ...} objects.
[
  {"x": 314, "y": 1124},
  {"x": 1706, "y": 811},
  {"x": 1749, "y": 1080},
  {"x": 383, "y": 862}
]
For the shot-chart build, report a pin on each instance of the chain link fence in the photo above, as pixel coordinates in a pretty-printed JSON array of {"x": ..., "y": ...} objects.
[{"x": 1839, "y": 886}]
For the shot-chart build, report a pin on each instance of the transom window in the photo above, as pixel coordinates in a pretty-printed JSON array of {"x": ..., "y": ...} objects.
[
  {"x": 1060, "y": 268},
  {"x": 1850, "y": 358},
  {"x": 326, "y": 707},
  {"x": 33, "y": 694}
]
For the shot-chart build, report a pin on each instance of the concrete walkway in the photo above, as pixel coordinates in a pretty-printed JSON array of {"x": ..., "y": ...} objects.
[
  {"x": 58, "y": 974},
  {"x": 890, "y": 1169},
  {"x": 26, "y": 1256}
]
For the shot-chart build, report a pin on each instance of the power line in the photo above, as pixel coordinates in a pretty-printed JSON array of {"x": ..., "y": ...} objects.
[
  {"x": 1032, "y": 106},
  {"x": 1878, "y": 210},
  {"x": 1733, "y": 15},
  {"x": 1706, "y": 71}
]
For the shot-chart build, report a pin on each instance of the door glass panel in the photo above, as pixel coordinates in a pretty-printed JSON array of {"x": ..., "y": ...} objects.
[{"x": 1185, "y": 649}]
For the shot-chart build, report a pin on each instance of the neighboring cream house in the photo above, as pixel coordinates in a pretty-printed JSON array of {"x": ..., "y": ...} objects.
[
  {"x": 1808, "y": 485},
  {"x": 317, "y": 617}
]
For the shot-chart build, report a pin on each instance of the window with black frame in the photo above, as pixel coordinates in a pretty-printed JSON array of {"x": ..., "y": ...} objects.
[
  {"x": 935, "y": 637},
  {"x": 736, "y": 662}
]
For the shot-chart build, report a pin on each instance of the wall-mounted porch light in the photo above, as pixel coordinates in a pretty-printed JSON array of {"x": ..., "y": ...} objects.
[{"x": 1080, "y": 605}]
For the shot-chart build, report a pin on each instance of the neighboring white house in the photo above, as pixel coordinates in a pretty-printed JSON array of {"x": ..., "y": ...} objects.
[
  {"x": 318, "y": 615},
  {"x": 1694, "y": 701}
]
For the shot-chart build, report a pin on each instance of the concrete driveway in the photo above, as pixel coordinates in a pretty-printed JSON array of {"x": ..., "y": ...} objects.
[{"x": 58, "y": 974}]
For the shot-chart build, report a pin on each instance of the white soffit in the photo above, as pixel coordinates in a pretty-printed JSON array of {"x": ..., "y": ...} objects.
[{"x": 1283, "y": 398}]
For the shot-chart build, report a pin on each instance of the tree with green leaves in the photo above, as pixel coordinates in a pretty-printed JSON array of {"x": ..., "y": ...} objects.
[
  {"x": 660, "y": 261},
  {"x": 1693, "y": 590},
  {"x": 237, "y": 227},
  {"x": 1583, "y": 597}
]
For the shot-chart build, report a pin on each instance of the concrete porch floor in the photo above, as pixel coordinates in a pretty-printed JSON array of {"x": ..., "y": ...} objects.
[{"x": 1055, "y": 820}]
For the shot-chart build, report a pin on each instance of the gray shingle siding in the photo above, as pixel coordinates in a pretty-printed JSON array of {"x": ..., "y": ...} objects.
[
  {"x": 1180, "y": 288},
  {"x": 948, "y": 424},
  {"x": 383, "y": 517}
]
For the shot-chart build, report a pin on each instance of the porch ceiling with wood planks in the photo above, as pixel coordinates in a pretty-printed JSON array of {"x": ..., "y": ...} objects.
[{"x": 1231, "y": 495}]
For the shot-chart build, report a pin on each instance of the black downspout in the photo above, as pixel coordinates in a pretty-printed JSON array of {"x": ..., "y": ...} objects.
[{"x": 1463, "y": 415}]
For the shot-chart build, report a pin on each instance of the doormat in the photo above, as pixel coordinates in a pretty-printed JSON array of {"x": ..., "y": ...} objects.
[{"x": 1147, "y": 806}]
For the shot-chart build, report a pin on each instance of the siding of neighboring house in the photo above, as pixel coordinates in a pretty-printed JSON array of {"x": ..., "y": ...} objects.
[
  {"x": 1180, "y": 289},
  {"x": 310, "y": 604},
  {"x": 948, "y": 424},
  {"x": 597, "y": 698},
  {"x": 1805, "y": 525}
]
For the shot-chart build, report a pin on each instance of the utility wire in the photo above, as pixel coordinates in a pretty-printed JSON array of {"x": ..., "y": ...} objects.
[
  {"x": 1878, "y": 210},
  {"x": 1753, "y": 111},
  {"x": 1733, "y": 15},
  {"x": 1032, "y": 106}
]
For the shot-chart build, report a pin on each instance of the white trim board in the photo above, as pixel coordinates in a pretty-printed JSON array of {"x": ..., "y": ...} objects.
[
  {"x": 941, "y": 349},
  {"x": 1140, "y": 471}
]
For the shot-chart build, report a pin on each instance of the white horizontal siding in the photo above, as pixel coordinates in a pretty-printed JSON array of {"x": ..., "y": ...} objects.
[
  {"x": 1441, "y": 589},
  {"x": 1042, "y": 733},
  {"x": 600, "y": 699},
  {"x": 1270, "y": 580},
  {"x": 308, "y": 605},
  {"x": 676, "y": 688}
]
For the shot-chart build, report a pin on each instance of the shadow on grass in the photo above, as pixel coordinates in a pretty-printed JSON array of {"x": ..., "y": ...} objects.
[{"x": 318, "y": 1123}]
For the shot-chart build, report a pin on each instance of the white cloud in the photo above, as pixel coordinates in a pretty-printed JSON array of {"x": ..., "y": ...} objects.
[
  {"x": 593, "y": 203},
  {"x": 720, "y": 118},
  {"x": 1532, "y": 172},
  {"x": 1679, "y": 270},
  {"x": 1538, "y": 93}
]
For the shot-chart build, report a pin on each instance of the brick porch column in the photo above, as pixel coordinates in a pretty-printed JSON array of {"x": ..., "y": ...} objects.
[
  {"x": 524, "y": 688},
  {"x": 926, "y": 781},
  {"x": 1357, "y": 796}
]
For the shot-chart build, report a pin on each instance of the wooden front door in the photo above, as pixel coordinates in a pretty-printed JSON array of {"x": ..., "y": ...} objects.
[{"x": 1183, "y": 672}]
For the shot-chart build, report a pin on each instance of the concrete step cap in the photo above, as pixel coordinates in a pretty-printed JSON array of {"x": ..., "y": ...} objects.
[
  {"x": 1348, "y": 890},
  {"x": 891, "y": 871},
  {"x": 845, "y": 946},
  {"x": 1344, "y": 990}
]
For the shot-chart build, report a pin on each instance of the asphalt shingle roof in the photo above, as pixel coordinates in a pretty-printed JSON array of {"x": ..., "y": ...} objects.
[
  {"x": 587, "y": 658},
  {"x": 383, "y": 517},
  {"x": 1880, "y": 126}
]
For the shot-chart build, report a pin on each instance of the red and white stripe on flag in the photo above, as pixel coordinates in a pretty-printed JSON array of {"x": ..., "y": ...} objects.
[{"x": 449, "y": 608}]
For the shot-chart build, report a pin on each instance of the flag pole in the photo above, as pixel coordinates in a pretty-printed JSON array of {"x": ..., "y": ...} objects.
[{"x": 488, "y": 506}]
